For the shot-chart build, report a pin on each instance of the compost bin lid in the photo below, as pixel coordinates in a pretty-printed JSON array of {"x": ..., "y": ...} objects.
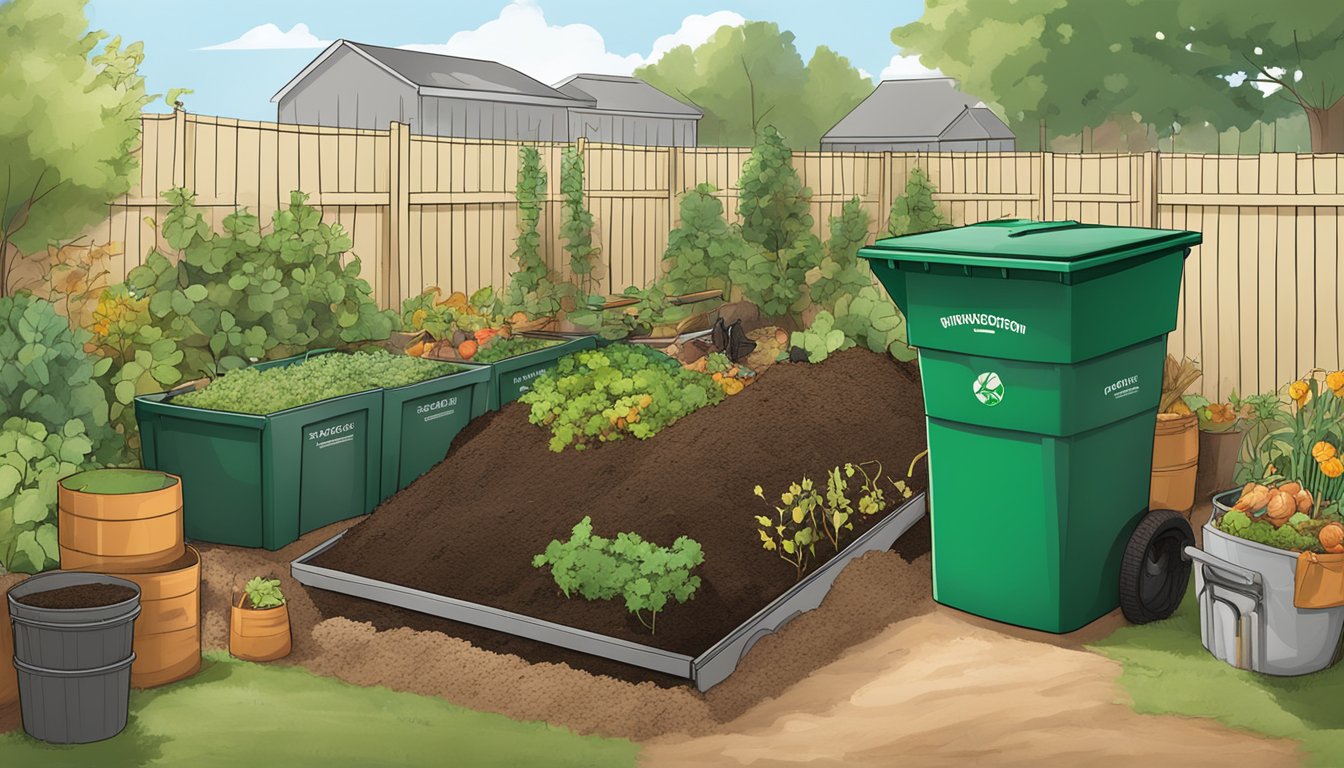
[{"x": 1057, "y": 246}]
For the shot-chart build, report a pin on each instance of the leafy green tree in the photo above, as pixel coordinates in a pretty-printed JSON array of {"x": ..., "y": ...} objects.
[
  {"x": 775, "y": 209},
  {"x": 69, "y": 119},
  {"x": 915, "y": 211},
  {"x": 576, "y": 228},
  {"x": 750, "y": 76},
  {"x": 530, "y": 289},
  {"x": 1073, "y": 66},
  {"x": 841, "y": 272},
  {"x": 702, "y": 248}
]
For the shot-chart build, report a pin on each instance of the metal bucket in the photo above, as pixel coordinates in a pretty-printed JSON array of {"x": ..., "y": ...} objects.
[{"x": 1247, "y": 616}]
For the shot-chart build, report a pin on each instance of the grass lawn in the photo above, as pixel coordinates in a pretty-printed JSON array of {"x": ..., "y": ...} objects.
[
  {"x": 235, "y": 713},
  {"x": 1167, "y": 671}
]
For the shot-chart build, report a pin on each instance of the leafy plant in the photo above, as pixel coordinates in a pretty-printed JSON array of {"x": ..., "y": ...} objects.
[
  {"x": 442, "y": 319},
  {"x": 48, "y": 377},
  {"x": 702, "y": 248},
  {"x": 243, "y": 294},
  {"x": 821, "y": 338},
  {"x": 646, "y": 576},
  {"x": 841, "y": 273},
  {"x": 915, "y": 211},
  {"x": 1300, "y": 534},
  {"x": 530, "y": 290},
  {"x": 808, "y": 515},
  {"x": 503, "y": 347},
  {"x": 598, "y": 396},
  {"x": 264, "y": 593},
  {"x": 576, "y": 226},
  {"x": 32, "y": 460},
  {"x": 870, "y": 319},
  {"x": 776, "y": 220},
  {"x": 650, "y": 310}
]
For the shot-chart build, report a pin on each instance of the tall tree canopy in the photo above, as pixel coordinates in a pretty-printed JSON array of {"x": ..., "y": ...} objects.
[
  {"x": 1076, "y": 65},
  {"x": 751, "y": 76},
  {"x": 69, "y": 119}
]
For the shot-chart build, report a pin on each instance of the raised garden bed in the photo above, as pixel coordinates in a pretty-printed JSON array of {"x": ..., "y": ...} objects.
[
  {"x": 466, "y": 532},
  {"x": 264, "y": 479}
]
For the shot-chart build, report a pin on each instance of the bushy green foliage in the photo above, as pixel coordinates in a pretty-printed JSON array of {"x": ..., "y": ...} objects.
[
  {"x": 264, "y": 593},
  {"x": 46, "y": 375},
  {"x": 530, "y": 288},
  {"x": 576, "y": 226},
  {"x": 261, "y": 391},
  {"x": 69, "y": 123},
  {"x": 646, "y": 576},
  {"x": 500, "y": 348},
  {"x": 821, "y": 338},
  {"x": 774, "y": 206},
  {"x": 243, "y": 294},
  {"x": 424, "y": 312},
  {"x": 915, "y": 211},
  {"x": 872, "y": 320},
  {"x": 141, "y": 360},
  {"x": 32, "y": 460},
  {"x": 702, "y": 247},
  {"x": 840, "y": 272},
  {"x": 603, "y": 395},
  {"x": 1300, "y": 535}
]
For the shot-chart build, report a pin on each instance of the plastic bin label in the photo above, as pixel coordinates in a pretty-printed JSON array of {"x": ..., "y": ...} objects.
[
  {"x": 981, "y": 322},
  {"x": 437, "y": 409},
  {"x": 1122, "y": 388},
  {"x": 334, "y": 469},
  {"x": 328, "y": 437},
  {"x": 988, "y": 388}
]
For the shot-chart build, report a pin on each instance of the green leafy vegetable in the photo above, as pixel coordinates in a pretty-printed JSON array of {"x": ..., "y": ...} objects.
[
  {"x": 821, "y": 338},
  {"x": 264, "y": 593},
  {"x": 32, "y": 461}
]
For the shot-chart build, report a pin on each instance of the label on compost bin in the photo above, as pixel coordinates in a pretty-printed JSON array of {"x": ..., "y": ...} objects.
[
  {"x": 1122, "y": 388},
  {"x": 438, "y": 409},
  {"x": 523, "y": 380},
  {"x": 338, "y": 434},
  {"x": 981, "y": 322},
  {"x": 988, "y": 388}
]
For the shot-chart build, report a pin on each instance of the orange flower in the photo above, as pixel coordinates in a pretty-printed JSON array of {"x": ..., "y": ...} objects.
[
  {"x": 1332, "y": 467},
  {"x": 1322, "y": 452},
  {"x": 1335, "y": 382},
  {"x": 1300, "y": 392}
]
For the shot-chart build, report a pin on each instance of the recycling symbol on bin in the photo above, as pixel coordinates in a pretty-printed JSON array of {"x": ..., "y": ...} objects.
[{"x": 988, "y": 388}]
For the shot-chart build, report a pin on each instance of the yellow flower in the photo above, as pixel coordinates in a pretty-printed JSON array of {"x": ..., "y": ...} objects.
[
  {"x": 1299, "y": 391},
  {"x": 1332, "y": 467},
  {"x": 1322, "y": 452},
  {"x": 1335, "y": 382}
]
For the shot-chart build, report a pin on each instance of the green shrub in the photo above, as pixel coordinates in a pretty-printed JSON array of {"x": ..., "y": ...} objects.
[
  {"x": 606, "y": 394},
  {"x": 47, "y": 376},
  {"x": 872, "y": 320},
  {"x": 841, "y": 273},
  {"x": 821, "y": 338},
  {"x": 702, "y": 248},
  {"x": 32, "y": 460},
  {"x": 915, "y": 211},
  {"x": 530, "y": 290},
  {"x": 643, "y": 574}
]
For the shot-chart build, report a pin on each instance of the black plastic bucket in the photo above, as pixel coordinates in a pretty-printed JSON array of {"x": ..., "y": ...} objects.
[{"x": 73, "y": 664}]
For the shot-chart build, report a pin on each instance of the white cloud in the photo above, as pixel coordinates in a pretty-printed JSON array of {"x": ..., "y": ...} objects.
[
  {"x": 522, "y": 38},
  {"x": 907, "y": 68},
  {"x": 865, "y": 74},
  {"x": 269, "y": 37}
]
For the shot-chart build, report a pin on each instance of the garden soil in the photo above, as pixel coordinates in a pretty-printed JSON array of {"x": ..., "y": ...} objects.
[
  {"x": 79, "y": 596},
  {"x": 470, "y": 527}
]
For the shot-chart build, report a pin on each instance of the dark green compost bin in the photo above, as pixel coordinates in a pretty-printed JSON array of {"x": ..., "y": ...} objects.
[
  {"x": 1041, "y": 348},
  {"x": 420, "y": 421},
  {"x": 512, "y": 376}
]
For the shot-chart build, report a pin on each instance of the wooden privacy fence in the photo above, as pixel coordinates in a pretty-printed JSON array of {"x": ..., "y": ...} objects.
[{"x": 1259, "y": 302}]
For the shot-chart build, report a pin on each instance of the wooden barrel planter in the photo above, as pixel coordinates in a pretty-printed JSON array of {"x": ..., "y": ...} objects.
[
  {"x": 259, "y": 634},
  {"x": 1175, "y": 462},
  {"x": 168, "y": 632},
  {"x": 119, "y": 520}
]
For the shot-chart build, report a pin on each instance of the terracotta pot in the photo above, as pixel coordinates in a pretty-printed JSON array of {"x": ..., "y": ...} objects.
[
  {"x": 1217, "y": 462},
  {"x": 168, "y": 631},
  {"x": 259, "y": 634},
  {"x": 122, "y": 532},
  {"x": 1175, "y": 462}
]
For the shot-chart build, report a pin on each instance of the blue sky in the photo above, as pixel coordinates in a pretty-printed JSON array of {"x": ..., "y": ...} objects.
[{"x": 229, "y": 52}]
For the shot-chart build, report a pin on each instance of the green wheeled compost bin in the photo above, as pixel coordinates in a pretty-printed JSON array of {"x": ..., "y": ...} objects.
[{"x": 1041, "y": 347}]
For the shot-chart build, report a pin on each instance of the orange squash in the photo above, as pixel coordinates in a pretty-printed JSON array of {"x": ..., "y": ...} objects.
[
  {"x": 1332, "y": 538},
  {"x": 467, "y": 349}
]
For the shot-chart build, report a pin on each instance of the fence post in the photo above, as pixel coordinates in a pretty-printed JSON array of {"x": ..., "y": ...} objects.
[
  {"x": 1150, "y": 189},
  {"x": 179, "y": 147},
  {"x": 674, "y": 184},
  {"x": 884, "y": 198},
  {"x": 1047, "y": 186},
  {"x": 396, "y": 257}
]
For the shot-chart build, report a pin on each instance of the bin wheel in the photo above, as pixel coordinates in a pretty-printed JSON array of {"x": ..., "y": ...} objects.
[{"x": 1153, "y": 573}]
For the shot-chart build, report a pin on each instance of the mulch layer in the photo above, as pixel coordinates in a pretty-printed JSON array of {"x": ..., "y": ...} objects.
[{"x": 470, "y": 527}]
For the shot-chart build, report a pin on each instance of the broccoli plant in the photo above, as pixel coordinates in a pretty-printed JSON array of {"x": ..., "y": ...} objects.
[{"x": 646, "y": 576}]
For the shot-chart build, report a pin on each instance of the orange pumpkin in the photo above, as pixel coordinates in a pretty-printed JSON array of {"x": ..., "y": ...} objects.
[
  {"x": 467, "y": 349},
  {"x": 1332, "y": 538}
]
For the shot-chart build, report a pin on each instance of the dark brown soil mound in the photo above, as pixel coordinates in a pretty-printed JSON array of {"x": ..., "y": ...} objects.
[
  {"x": 79, "y": 596},
  {"x": 470, "y": 527}
]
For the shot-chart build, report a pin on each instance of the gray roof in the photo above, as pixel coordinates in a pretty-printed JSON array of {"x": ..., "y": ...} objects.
[
  {"x": 618, "y": 93},
  {"x": 918, "y": 109},
  {"x": 446, "y": 73}
]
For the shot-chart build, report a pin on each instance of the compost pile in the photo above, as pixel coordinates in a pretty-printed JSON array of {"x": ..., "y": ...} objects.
[{"x": 470, "y": 527}]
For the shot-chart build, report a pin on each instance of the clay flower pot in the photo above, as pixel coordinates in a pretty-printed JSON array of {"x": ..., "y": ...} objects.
[{"x": 259, "y": 634}]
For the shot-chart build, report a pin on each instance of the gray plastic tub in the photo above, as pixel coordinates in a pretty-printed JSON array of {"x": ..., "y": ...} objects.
[
  {"x": 1247, "y": 617},
  {"x": 705, "y": 671},
  {"x": 74, "y": 706},
  {"x": 72, "y": 638}
]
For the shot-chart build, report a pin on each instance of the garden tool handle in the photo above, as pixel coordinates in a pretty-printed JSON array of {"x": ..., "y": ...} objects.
[{"x": 1244, "y": 575}]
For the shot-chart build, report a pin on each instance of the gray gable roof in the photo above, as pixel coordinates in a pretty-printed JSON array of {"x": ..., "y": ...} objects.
[
  {"x": 439, "y": 74},
  {"x": 618, "y": 93},
  {"x": 914, "y": 109},
  {"x": 977, "y": 123}
]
